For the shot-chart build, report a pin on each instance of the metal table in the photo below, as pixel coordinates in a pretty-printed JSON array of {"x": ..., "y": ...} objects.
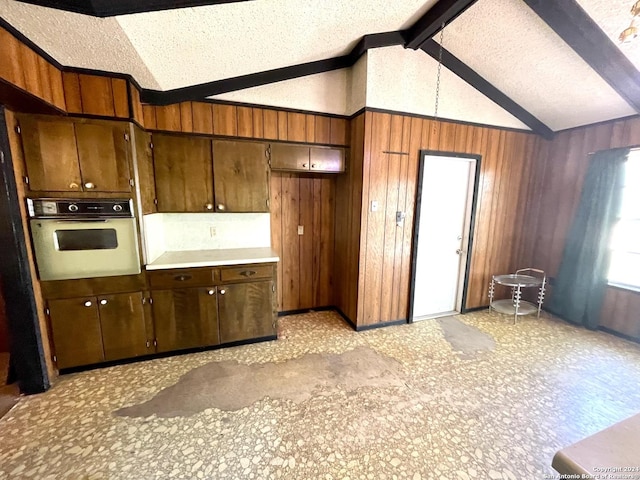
[{"x": 515, "y": 306}]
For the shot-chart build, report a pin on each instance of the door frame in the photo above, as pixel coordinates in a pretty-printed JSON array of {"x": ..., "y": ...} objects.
[
  {"x": 416, "y": 222},
  {"x": 27, "y": 351}
]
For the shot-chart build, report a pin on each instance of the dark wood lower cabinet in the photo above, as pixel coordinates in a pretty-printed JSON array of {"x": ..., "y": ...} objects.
[
  {"x": 77, "y": 336},
  {"x": 123, "y": 326},
  {"x": 246, "y": 311},
  {"x": 185, "y": 318},
  {"x": 200, "y": 313}
]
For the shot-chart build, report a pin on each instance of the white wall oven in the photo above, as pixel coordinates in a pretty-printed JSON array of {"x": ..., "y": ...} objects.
[{"x": 83, "y": 238}]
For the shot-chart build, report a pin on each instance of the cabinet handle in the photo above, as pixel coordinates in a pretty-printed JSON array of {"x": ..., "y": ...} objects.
[
  {"x": 221, "y": 207},
  {"x": 88, "y": 303},
  {"x": 73, "y": 185},
  {"x": 209, "y": 206},
  {"x": 103, "y": 302},
  {"x": 304, "y": 165},
  {"x": 148, "y": 344},
  {"x": 223, "y": 291},
  {"x": 211, "y": 292},
  {"x": 313, "y": 165},
  {"x": 90, "y": 185},
  {"x": 182, "y": 278},
  {"x": 248, "y": 273}
]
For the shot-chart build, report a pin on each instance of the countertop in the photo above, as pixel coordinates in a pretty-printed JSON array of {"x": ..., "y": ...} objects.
[{"x": 213, "y": 258}]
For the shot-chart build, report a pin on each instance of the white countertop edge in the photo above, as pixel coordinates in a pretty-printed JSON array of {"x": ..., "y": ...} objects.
[
  {"x": 213, "y": 258},
  {"x": 211, "y": 263}
]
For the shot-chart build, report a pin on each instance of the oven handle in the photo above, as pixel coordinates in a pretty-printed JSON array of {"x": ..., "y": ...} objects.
[{"x": 88, "y": 220}]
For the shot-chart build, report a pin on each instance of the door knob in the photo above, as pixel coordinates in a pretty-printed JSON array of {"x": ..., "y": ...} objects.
[
  {"x": 103, "y": 302},
  {"x": 223, "y": 291},
  {"x": 90, "y": 185},
  {"x": 211, "y": 292},
  {"x": 304, "y": 165},
  {"x": 459, "y": 237},
  {"x": 221, "y": 207},
  {"x": 209, "y": 206},
  {"x": 460, "y": 251},
  {"x": 87, "y": 303}
]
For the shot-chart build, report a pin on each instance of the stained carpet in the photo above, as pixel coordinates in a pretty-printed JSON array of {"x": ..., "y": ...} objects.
[{"x": 413, "y": 402}]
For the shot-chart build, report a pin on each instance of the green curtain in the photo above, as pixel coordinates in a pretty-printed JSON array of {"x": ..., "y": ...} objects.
[{"x": 581, "y": 282}]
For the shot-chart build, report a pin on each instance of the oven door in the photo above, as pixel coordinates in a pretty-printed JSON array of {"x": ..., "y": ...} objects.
[{"x": 67, "y": 249}]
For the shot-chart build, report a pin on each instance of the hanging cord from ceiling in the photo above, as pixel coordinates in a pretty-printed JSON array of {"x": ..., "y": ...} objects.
[{"x": 438, "y": 76}]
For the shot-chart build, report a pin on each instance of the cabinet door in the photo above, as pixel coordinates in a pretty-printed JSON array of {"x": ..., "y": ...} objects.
[
  {"x": 327, "y": 160},
  {"x": 183, "y": 172},
  {"x": 241, "y": 176},
  {"x": 123, "y": 326},
  {"x": 144, "y": 161},
  {"x": 185, "y": 318},
  {"x": 77, "y": 337},
  {"x": 103, "y": 155},
  {"x": 50, "y": 154},
  {"x": 246, "y": 311},
  {"x": 289, "y": 157}
]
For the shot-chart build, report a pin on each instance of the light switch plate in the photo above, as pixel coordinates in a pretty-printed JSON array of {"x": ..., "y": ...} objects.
[{"x": 300, "y": 229}]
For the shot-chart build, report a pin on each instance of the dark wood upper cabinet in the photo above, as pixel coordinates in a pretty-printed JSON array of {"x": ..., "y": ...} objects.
[
  {"x": 77, "y": 336},
  {"x": 50, "y": 154},
  {"x": 246, "y": 311},
  {"x": 241, "y": 176},
  {"x": 103, "y": 153},
  {"x": 302, "y": 158},
  {"x": 184, "y": 173},
  {"x": 185, "y": 318},
  {"x": 122, "y": 321},
  {"x": 63, "y": 155},
  {"x": 326, "y": 160},
  {"x": 289, "y": 157}
]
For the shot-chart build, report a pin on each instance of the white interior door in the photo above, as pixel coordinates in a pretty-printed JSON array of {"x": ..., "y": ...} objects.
[{"x": 444, "y": 227}]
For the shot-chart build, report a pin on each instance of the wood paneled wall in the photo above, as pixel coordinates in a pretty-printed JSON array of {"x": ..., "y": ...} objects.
[
  {"x": 556, "y": 188},
  {"x": 96, "y": 95},
  {"x": 383, "y": 262},
  {"x": 305, "y": 271},
  {"x": 24, "y": 68},
  {"x": 247, "y": 122}
]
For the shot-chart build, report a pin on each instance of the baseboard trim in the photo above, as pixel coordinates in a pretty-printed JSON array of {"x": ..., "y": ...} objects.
[
  {"x": 284, "y": 313},
  {"x": 619, "y": 335},
  {"x": 175, "y": 353}
]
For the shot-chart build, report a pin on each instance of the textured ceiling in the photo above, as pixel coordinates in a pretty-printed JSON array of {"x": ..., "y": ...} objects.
[
  {"x": 502, "y": 40},
  {"x": 613, "y": 16},
  {"x": 197, "y": 45},
  {"x": 78, "y": 40},
  {"x": 521, "y": 56}
]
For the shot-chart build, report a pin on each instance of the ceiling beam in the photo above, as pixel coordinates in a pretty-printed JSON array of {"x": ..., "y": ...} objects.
[
  {"x": 442, "y": 13},
  {"x": 584, "y": 36},
  {"x": 111, "y": 8},
  {"x": 166, "y": 97},
  {"x": 453, "y": 63}
]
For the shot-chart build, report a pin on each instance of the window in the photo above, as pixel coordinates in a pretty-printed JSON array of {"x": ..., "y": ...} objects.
[{"x": 624, "y": 270}]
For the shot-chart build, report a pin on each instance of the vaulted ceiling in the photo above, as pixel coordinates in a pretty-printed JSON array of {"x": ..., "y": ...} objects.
[{"x": 504, "y": 58}]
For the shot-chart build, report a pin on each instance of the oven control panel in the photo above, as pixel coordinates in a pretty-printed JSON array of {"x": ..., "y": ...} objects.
[{"x": 58, "y": 207}]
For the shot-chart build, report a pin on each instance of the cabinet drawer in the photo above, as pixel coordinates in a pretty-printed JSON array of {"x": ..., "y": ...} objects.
[
  {"x": 247, "y": 272},
  {"x": 184, "y": 277}
]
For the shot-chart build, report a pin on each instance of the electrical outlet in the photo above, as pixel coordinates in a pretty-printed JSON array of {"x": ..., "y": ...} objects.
[
  {"x": 300, "y": 229},
  {"x": 374, "y": 205},
  {"x": 212, "y": 231}
]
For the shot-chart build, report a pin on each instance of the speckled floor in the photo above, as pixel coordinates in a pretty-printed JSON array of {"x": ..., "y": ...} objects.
[{"x": 498, "y": 413}]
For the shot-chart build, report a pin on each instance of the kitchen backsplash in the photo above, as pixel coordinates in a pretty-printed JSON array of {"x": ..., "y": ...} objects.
[{"x": 204, "y": 231}]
